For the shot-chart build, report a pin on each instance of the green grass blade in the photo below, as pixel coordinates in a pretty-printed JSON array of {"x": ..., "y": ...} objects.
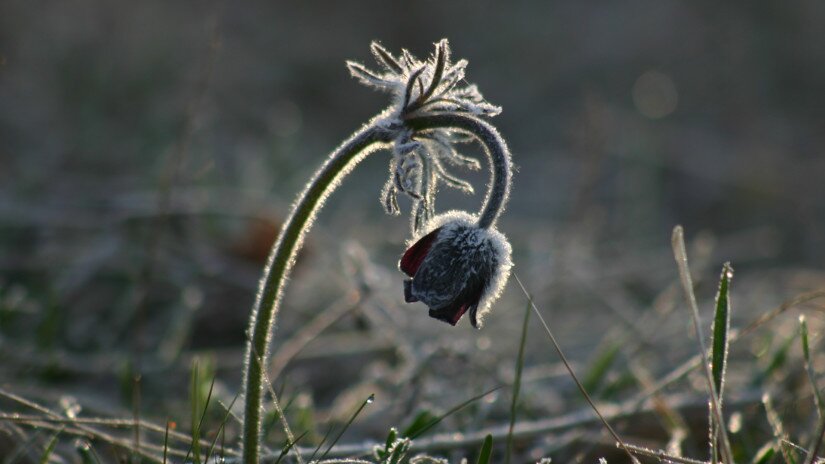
[
  {"x": 816, "y": 445},
  {"x": 486, "y": 450},
  {"x": 765, "y": 454},
  {"x": 677, "y": 241},
  {"x": 321, "y": 443},
  {"x": 720, "y": 332},
  {"x": 166, "y": 442},
  {"x": 517, "y": 383},
  {"x": 778, "y": 430},
  {"x": 198, "y": 411},
  {"x": 289, "y": 446},
  {"x": 399, "y": 451},
  {"x": 593, "y": 378},
  {"x": 47, "y": 453},
  {"x": 419, "y": 423},
  {"x": 195, "y": 400},
  {"x": 391, "y": 437},
  {"x": 453, "y": 410},
  {"x": 806, "y": 351},
  {"x": 221, "y": 428},
  {"x": 719, "y": 344},
  {"x": 367, "y": 401},
  {"x": 86, "y": 453}
]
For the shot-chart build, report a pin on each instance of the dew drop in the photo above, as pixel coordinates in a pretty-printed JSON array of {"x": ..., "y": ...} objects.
[{"x": 371, "y": 399}]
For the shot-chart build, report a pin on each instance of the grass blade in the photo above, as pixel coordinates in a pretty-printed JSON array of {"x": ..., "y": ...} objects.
[
  {"x": 195, "y": 399},
  {"x": 806, "y": 351},
  {"x": 321, "y": 443},
  {"x": 819, "y": 436},
  {"x": 452, "y": 410},
  {"x": 420, "y": 422},
  {"x": 86, "y": 452},
  {"x": 221, "y": 428},
  {"x": 720, "y": 344},
  {"x": 778, "y": 430},
  {"x": 599, "y": 368},
  {"x": 289, "y": 446},
  {"x": 765, "y": 454},
  {"x": 197, "y": 424},
  {"x": 47, "y": 453},
  {"x": 679, "y": 252},
  {"x": 516, "y": 384},
  {"x": 367, "y": 401},
  {"x": 166, "y": 441},
  {"x": 721, "y": 329},
  {"x": 486, "y": 450}
]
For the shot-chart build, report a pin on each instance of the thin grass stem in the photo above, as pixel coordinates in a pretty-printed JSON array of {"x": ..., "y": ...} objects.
[
  {"x": 678, "y": 244},
  {"x": 367, "y": 401},
  {"x": 573, "y": 374},
  {"x": 517, "y": 381}
]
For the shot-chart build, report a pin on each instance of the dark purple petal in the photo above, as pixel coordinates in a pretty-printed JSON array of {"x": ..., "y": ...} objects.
[
  {"x": 451, "y": 314},
  {"x": 473, "y": 316},
  {"x": 415, "y": 255},
  {"x": 408, "y": 296}
]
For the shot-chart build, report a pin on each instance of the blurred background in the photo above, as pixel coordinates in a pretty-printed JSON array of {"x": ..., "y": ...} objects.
[{"x": 149, "y": 151}]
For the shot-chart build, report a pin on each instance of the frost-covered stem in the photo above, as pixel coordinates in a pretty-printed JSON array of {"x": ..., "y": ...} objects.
[
  {"x": 279, "y": 264},
  {"x": 494, "y": 146}
]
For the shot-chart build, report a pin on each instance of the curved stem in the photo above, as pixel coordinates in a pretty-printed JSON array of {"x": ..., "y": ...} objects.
[
  {"x": 279, "y": 264},
  {"x": 495, "y": 147}
]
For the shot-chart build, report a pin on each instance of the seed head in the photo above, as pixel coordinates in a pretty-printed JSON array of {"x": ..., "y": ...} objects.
[{"x": 433, "y": 86}]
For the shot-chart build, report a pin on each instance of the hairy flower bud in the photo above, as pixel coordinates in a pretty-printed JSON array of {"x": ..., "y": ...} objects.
[{"x": 456, "y": 267}]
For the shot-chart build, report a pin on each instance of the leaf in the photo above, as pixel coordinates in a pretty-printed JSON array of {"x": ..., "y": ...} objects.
[
  {"x": 441, "y": 57},
  {"x": 367, "y": 77},
  {"x": 385, "y": 58},
  {"x": 720, "y": 331},
  {"x": 486, "y": 450},
  {"x": 399, "y": 450},
  {"x": 391, "y": 437}
]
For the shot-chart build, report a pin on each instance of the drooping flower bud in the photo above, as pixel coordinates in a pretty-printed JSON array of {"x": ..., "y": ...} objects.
[{"x": 456, "y": 267}]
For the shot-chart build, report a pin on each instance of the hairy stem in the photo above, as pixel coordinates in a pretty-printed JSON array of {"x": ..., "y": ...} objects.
[
  {"x": 279, "y": 264},
  {"x": 494, "y": 146}
]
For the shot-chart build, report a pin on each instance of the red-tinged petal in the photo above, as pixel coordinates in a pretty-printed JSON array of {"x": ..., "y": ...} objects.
[
  {"x": 415, "y": 255},
  {"x": 459, "y": 313}
]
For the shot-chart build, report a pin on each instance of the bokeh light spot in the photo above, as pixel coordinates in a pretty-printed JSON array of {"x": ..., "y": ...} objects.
[{"x": 655, "y": 94}]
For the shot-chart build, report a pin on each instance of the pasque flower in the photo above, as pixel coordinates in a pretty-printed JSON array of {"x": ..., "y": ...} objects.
[
  {"x": 457, "y": 267},
  {"x": 459, "y": 262}
]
